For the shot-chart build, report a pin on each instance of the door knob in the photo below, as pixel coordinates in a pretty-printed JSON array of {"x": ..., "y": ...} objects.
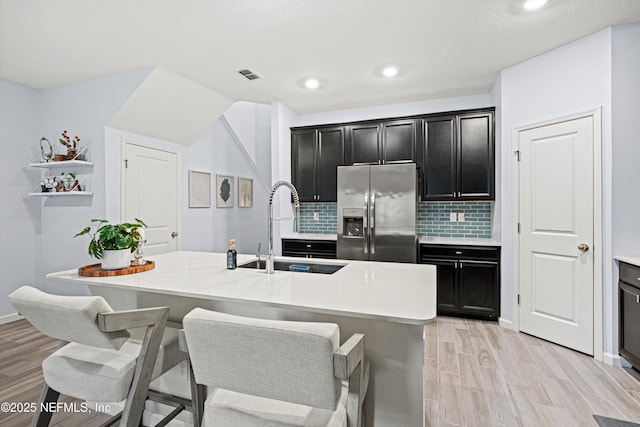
[
  {"x": 583, "y": 247},
  {"x": 174, "y": 234}
]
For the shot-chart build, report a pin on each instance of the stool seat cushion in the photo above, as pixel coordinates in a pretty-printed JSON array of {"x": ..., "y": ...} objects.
[
  {"x": 91, "y": 373},
  {"x": 228, "y": 408}
]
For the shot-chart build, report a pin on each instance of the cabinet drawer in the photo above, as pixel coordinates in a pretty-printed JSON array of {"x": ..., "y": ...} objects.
[
  {"x": 485, "y": 253},
  {"x": 630, "y": 274},
  {"x": 315, "y": 248}
]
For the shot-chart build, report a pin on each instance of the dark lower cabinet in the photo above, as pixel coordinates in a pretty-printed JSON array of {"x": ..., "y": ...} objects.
[
  {"x": 468, "y": 279},
  {"x": 629, "y": 312},
  {"x": 309, "y": 248}
]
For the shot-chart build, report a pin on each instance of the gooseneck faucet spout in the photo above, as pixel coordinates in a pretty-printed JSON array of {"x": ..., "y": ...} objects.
[{"x": 296, "y": 214}]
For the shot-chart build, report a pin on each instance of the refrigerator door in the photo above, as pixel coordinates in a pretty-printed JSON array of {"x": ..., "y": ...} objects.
[
  {"x": 353, "y": 218},
  {"x": 392, "y": 204}
]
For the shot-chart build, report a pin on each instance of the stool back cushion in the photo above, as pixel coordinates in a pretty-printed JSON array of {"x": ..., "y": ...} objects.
[
  {"x": 290, "y": 361},
  {"x": 67, "y": 318}
]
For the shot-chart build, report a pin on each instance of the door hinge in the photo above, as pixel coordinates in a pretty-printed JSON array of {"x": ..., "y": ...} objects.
[
  {"x": 518, "y": 228},
  {"x": 126, "y": 163},
  {"x": 518, "y": 299},
  {"x": 517, "y": 153}
]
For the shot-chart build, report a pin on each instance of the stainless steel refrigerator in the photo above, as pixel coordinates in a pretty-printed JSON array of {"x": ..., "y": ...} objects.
[{"x": 377, "y": 212}]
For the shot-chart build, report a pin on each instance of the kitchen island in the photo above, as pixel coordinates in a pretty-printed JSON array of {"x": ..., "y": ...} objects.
[{"x": 390, "y": 303}]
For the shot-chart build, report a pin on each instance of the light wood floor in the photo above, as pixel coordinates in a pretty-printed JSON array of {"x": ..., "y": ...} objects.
[{"x": 477, "y": 374}]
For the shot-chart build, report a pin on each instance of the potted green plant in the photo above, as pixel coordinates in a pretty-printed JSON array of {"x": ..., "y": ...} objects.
[{"x": 113, "y": 243}]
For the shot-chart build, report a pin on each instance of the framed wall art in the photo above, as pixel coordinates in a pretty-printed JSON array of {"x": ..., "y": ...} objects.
[
  {"x": 224, "y": 191},
  {"x": 199, "y": 189},
  {"x": 245, "y": 192}
]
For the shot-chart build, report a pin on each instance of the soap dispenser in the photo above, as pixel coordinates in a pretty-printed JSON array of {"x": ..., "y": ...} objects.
[{"x": 232, "y": 262}]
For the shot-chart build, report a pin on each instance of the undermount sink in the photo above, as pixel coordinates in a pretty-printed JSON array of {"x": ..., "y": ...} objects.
[{"x": 295, "y": 266}]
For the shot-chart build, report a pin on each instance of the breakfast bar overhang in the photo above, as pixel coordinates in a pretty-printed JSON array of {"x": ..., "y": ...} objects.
[{"x": 389, "y": 302}]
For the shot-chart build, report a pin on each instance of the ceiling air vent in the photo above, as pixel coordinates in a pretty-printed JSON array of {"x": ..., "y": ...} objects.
[{"x": 249, "y": 75}]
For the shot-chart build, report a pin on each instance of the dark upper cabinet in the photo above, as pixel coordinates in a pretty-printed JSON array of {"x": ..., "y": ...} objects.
[
  {"x": 399, "y": 141},
  {"x": 439, "y": 172},
  {"x": 476, "y": 156},
  {"x": 330, "y": 155},
  {"x": 315, "y": 156},
  {"x": 364, "y": 143},
  {"x": 303, "y": 153},
  {"x": 459, "y": 157},
  {"x": 392, "y": 141}
]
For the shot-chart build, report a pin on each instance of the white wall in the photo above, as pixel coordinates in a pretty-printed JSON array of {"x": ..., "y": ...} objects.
[
  {"x": 625, "y": 192},
  {"x": 568, "y": 80},
  {"x": 216, "y": 151},
  {"x": 20, "y": 215}
]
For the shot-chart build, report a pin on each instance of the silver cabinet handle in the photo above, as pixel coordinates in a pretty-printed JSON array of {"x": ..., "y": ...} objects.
[{"x": 174, "y": 234}]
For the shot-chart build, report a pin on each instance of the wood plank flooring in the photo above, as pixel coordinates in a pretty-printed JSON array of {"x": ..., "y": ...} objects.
[
  {"x": 477, "y": 374},
  {"x": 22, "y": 350}
]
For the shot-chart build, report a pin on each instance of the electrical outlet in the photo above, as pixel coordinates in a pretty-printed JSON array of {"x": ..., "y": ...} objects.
[
  {"x": 316, "y": 216},
  {"x": 453, "y": 217},
  {"x": 461, "y": 216}
]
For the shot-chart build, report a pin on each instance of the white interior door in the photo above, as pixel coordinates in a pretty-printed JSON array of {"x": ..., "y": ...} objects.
[
  {"x": 556, "y": 208},
  {"x": 150, "y": 192}
]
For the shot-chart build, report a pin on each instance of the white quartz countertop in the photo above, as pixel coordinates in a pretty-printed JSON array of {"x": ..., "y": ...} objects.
[
  {"x": 633, "y": 260},
  {"x": 458, "y": 241},
  {"x": 309, "y": 236},
  {"x": 403, "y": 293}
]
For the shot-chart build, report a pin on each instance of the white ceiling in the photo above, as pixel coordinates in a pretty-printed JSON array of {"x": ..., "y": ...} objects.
[{"x": 444, "y": 48}]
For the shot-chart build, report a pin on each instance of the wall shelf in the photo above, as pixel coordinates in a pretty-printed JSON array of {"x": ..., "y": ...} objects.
[
  {"x": 62, "y": 164},
  {"x": 80, "y": 170},
  {"x": 61, "y": 193}
]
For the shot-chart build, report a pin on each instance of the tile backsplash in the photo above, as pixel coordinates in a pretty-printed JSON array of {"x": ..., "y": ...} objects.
[{"x": 432, "y": 219}]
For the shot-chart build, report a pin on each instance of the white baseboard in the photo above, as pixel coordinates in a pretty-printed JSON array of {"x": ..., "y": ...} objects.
[
  {"x": 507, "y": 324},
  {"x": 8, "y": 318},
  {"x": 615, "y": 360}
]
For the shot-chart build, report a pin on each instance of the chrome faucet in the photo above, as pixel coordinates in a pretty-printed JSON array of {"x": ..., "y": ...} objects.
[{"x": 296, "y": 217}]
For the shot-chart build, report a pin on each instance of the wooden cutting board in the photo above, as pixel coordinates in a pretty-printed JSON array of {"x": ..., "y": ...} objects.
[{"x": 95, "y": 270}]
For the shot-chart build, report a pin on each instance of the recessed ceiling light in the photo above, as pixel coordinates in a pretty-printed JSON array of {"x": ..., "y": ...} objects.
[
  {"x": 311, "y": 83},
  {"x": 534, "y": 4},
  {"x": 390, "y": 71}
]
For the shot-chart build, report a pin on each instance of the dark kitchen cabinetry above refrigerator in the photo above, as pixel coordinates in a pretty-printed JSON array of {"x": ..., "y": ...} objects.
[
  {"x": 392, "y": 141},
  {"x": 315, "y": 156},
  {"x": 453, "y": 152},
  {"x": 459, "y": 157},
  {"x": 468, "y": 279}
]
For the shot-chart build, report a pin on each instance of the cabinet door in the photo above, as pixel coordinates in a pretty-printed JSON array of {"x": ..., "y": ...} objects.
[
  {"x": 447, "y": 289},
  {"x": 364, "y": 141},
  {"x": 303, "y": 143},
  {"x": 439, "y": 172},
  {"x": 476, "y": 157},
  {"x": 330, "y": 155},
  {"x": 399, "y": 141},
  {"x": 478, "y": 287}
]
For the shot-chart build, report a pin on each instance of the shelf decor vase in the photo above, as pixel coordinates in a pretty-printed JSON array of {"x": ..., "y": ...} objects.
[{"x": 116, "y": 259}]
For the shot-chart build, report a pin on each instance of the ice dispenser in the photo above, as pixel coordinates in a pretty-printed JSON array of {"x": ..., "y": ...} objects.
[{"x": 353, "y": 222}]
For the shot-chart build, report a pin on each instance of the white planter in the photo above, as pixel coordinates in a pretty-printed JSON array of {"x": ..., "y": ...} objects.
[{"x": 116, "y": 259}]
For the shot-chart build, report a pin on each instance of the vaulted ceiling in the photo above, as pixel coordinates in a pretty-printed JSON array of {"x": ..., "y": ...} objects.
[{"x": 443, "y": 48}]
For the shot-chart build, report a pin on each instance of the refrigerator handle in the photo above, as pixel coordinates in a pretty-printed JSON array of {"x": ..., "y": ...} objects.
[
  {"x": 372, "y": 223},
  {"x": 365, "y": 223}
]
